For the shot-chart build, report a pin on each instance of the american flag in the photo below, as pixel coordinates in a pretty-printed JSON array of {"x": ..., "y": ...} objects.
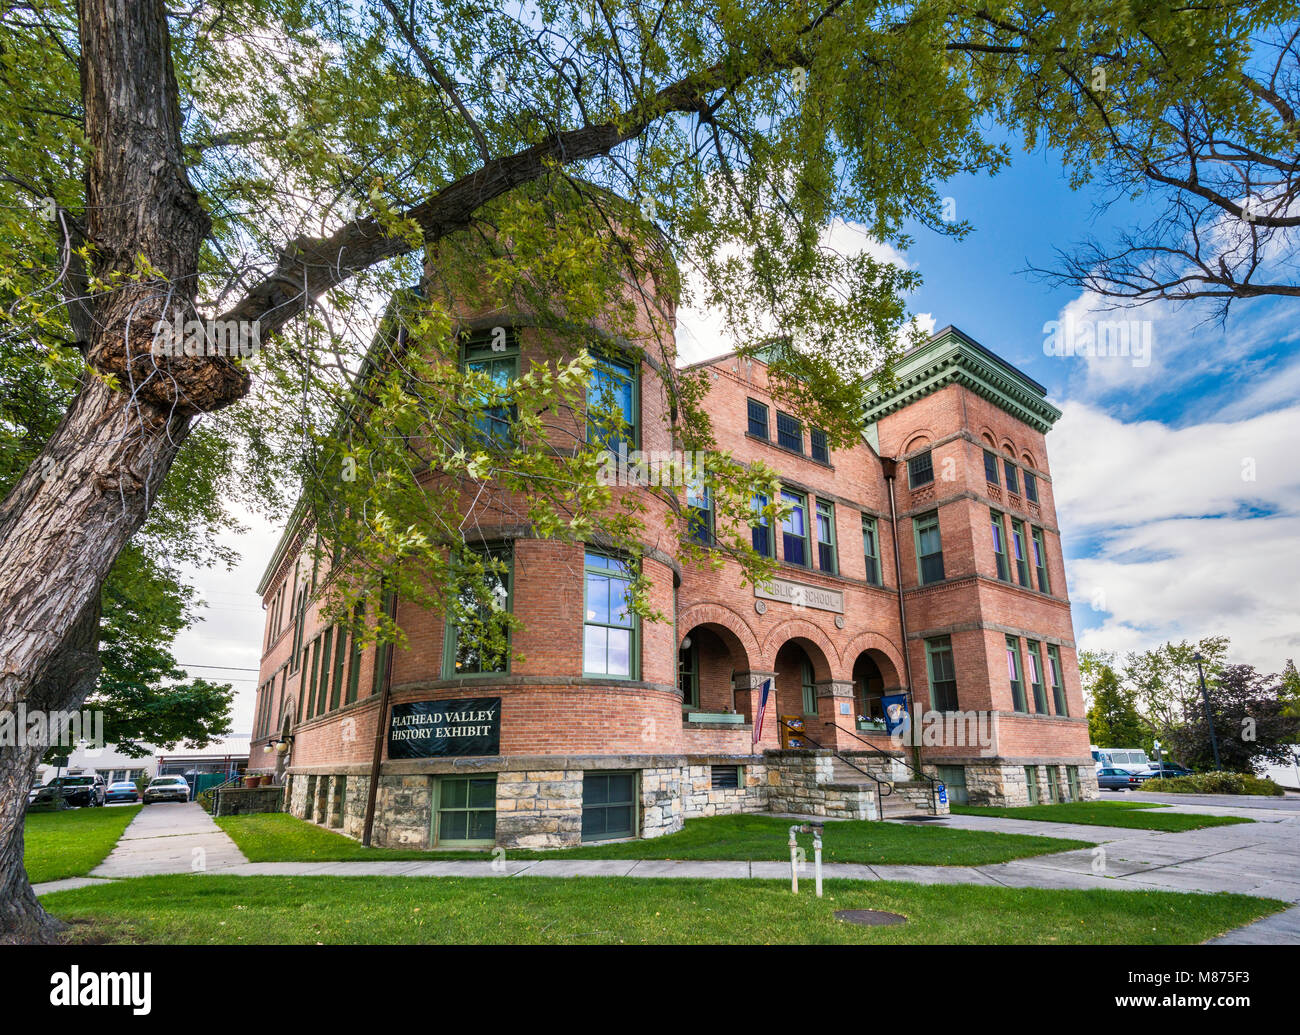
[{"x": 762, "y": 708}]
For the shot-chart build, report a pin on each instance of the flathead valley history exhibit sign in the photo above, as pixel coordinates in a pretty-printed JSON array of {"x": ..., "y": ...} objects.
[{"x": 434, "y": 729}]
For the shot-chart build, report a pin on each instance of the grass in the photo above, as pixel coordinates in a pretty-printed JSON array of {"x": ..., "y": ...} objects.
[
  {"x": 72, "y": 842},
  {"x": 210, "y": 908},
  {"x": 278, "y": 837},
  {"x": 1131, "y": 814}
]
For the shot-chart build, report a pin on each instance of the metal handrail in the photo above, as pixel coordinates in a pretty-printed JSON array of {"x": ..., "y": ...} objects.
[
  {"x": 883, "y": 787},
  {"x": 934, "y": 790}
]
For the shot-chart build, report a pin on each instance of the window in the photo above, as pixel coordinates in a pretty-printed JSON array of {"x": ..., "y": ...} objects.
[
  {"x": 761, "y": 532},
  {"x": 1054, "y": 674},
  {"x": 608, "y": 805},
  {"x": 826, "y": 537},
  {"x": 1013, "y": 484},
  {"x": 340, "y": 659},
  {"x": 1013, "y": 673},
  {"x": 467, "y": 810},
  {"x": 953, "y": 778},
  {"x": 789, "y": 432},
  {"x": 1000, "y": 547},
  {"x": 477, "y": 640},
  {"x": 990, "y": 468},
  {"x": 354, "y": 662},
  {"x": 1031, "y": 783},
  {"x": 492, "y": 421},
  {"x": 817, "y": 439},
  {"x": 611, "y": 404},
  {"x": 794, "y": 530},
  {"x": 920, "y": 470},
  {"x": 1072, "y": 777},
  {"x": 699, "y": 508},
  {"x": 1054, "y": 784},
  {"x": 757, "y": 418},
  {"x": 327, "y": 642},
  {"x": 1031, "y": 487},
  {"x": 384, "y": 651},
  {"x": 688, "y": 675},
  {"x": 1036, "y": 677},
  {"x": 871, "y": 549},
  {"x": 1020, "y": 548},
  {"x": 724, "y": 777},
  {"x": 929, "y": 547},
  {"x": 808, "y": 687},
  {"x": 1039, "y": 546},
  {"x": 943, "y": 674},
  {"x": 609, "y": 629}
]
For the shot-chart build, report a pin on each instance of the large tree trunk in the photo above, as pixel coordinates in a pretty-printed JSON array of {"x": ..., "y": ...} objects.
[{"x": 65, "y": 522}]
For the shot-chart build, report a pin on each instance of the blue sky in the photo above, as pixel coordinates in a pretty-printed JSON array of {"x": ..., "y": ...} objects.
[{"x": 1177, "y": 483}]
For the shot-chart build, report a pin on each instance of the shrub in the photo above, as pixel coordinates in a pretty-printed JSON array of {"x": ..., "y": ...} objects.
[{"x": 1214, "y": 783}]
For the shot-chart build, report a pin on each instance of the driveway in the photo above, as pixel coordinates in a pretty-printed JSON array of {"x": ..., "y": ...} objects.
[{"x": 170, "y": 837}]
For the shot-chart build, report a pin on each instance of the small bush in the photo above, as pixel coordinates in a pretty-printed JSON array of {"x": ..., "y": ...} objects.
[{"x": 1214, "y": 783}]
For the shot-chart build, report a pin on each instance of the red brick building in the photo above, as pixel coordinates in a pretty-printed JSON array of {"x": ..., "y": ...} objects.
[{"x": 922, "y": 566}]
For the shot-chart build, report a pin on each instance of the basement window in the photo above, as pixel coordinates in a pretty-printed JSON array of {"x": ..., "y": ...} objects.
[{"x": 724, "y": 777}]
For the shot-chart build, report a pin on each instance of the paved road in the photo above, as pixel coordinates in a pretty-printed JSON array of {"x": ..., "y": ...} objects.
[{"x": 170, "y": 837}]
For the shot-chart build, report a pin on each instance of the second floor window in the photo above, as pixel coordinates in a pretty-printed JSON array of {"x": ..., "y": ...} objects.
[
  {"x": 826, "y": 537},
  {"x": 1014, "y": 675},
  {"x": 1036, "y": 677},
  {"x": 1021, "y": 550},
  {"x": 929, "y": 548},
  {"x": 611, "y": 404},
  {"x": 794, "y": 530},
  {"x": 990, "y": 468},
  {"x": 761, "y": 531},
  {"x": 699, "y": 514},
  {"x": 789, "y": 432},
  {"x": 871, "y": 549},
  {"x": 757, "y": 419},
  {"x": 1039, "y": 545},
  {"x": 943, "y": 674},
  {"x": 1000, "y": 546},
  {"x": 920, "y": 470},
  {"x": 477, "y": 640},
  {"x": 609, "y": 624},
  {"x": 492, "y": 417},
  {"x": 1058, "y": 684}
]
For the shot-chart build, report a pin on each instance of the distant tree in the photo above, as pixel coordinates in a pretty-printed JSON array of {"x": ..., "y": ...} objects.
[
  {"x": 1290, "y": 691},
  {"x": 1250, "y": 722},
  {"x": 1113, "y": 721},
  {"x": 1164, "y": 680}
]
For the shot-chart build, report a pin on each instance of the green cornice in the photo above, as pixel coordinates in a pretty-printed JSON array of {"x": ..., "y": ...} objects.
[{"x": 953, "y": 357}]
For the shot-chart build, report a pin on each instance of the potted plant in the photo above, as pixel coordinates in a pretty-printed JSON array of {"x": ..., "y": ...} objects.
[
  {"x": 251, "y": 780},
  {"x": 265, "y": 781}
]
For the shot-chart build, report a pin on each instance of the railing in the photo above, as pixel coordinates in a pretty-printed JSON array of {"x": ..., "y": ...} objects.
[
  {"x": 883, "y": 787},
  {"x": 207, "y": 798},
  {"x": 934, "y": 784}
]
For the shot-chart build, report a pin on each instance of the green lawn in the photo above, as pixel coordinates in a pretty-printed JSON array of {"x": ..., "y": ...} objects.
[
  {"x": 1136, "y": 815},
  {"x": 73, "y": 842},
  {"x": 278, "y": 837},
  {"x": 210, "y": 908}
]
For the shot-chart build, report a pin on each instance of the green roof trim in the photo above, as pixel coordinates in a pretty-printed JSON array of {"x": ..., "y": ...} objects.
[{"x": 953, "y": 357}]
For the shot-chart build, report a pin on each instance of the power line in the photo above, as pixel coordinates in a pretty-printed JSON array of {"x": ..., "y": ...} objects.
[{"x": 230, "y": 668}]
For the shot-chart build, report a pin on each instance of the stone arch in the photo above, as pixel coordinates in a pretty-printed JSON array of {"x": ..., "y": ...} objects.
[
  {"x": 989, "y": 439},
  {"x": 1008, "y": 448},
  {"x": 730, "y": 627},
  {"x": 918, "y": 439},
  {"x": 1027, "y": 458},
  {"x": 815, "y": 643},
  {"x": 883, "y": 652}
]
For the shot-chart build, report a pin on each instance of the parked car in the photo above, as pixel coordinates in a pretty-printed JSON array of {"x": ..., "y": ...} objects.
[
  {"x": 1168, "y": 770},
  {"x": 80, "y": 790},
  {"x": 46, "y": 799},
  {"x": 1110, "y": 778},
  {"x": 167, "y": 788},
  {"x": 122, "y": 790}
]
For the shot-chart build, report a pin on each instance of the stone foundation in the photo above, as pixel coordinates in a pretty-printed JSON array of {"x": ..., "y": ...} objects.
[{"x": 238, "y": 801}]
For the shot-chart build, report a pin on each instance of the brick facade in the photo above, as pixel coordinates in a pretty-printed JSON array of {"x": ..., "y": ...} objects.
[{"x": 833, "y": 641}]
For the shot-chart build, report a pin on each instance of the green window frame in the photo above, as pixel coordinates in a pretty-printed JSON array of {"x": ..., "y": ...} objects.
[
  {"x": 808, "y": 687},
  {"x": 1031, "y": 486},
  {"x": 756, "y": 419},
  {"x": 789, "y": 432},
  {"x": 354, "y": 657},
  {"x": 991, "y": 468},
  {"x": 610, "y": 630},
  {"x": 340, "y": 660},
  {"x": 817, "y": 446},
  {"x": 494, "y": 426},
  {"x": 609, "y": 805},
  {"x": 929, "y": 547},
  {"x": 920, "y": 470},
  {"x": 383, "y": 650},
  {"x": 1036, "y": 677},
  {"x": 613, "y": 402},
  {"x": 953, "y": 778},
  {"x": 699, "y": 510},
  {"x": 794, "y": 530},
  {"x": 688, "y": 675},
  {"x": 1072, "y": 778},
  {"x": 1031, "y": 784},
  {"x": 1055, "y": 673},
  {"x": 760, "y": 533},
  {"x": 942, "y": 672},
  {"x": 1013, "y": 481},
  {"x": 1054, "y": 784},
  {"x": 466, "y": 813},
  {"x": 999, "y": 530},
  {"x": 1038, "y": 543},
  {"x": 871, "y": 549},
  {"x": 313, "y": 707},
  {"x": 326, "y": 666},
  {"x": 1015, "y": 672},
  {"x": 827, "y": 560},
  {"x": 465, "y": 661},
  {"x": 1021, "y": 551}
]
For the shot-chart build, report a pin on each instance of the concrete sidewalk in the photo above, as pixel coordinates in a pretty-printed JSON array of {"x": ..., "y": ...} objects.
[{"x": 170, "y": 837}]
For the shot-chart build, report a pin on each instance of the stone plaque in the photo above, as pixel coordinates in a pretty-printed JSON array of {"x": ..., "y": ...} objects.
[
  {"x": 801, "y": 595},
  {"x": 432, "y": 729}
]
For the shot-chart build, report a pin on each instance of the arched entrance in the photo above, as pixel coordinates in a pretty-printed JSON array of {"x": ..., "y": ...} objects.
[
  {"x": 802, "y": 671},
  {"x": 708, "y": 658}
]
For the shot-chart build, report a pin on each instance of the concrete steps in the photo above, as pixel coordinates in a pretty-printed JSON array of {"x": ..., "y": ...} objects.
[{"x": 892, "y": 806}]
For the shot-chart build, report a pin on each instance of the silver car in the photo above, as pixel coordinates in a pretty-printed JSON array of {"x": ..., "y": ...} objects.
[{"x": 167, "y": 788}]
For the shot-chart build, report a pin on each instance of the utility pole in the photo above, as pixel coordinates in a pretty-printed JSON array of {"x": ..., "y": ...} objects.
[{"x": 1209, "y": 717}]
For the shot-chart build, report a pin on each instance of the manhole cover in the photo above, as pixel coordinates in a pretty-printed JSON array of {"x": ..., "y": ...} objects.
[{"x": 869, "y": 917}]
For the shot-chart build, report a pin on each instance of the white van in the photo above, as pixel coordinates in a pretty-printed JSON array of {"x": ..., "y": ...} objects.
[{"x": 1134, "y": 759}]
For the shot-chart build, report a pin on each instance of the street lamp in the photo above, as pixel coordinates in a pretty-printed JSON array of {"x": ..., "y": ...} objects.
[
  {"x": 1160, "y": 763},
  {"x": 1209, "y": 718}
]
